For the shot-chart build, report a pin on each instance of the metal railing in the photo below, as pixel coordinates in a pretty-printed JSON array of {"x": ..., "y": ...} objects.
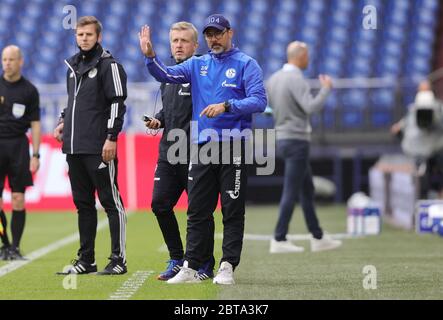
[{"x": 145, "y": 98}]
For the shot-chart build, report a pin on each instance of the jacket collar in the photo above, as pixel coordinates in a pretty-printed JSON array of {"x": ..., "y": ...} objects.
[
  {"x": 291, "y": 67},
  {"x": 195, "y": 55},
  {"x": 82, "y": 65}
]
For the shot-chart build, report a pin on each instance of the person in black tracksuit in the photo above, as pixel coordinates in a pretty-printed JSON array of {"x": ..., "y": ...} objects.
[
  {"x": 171, "y": 178},
  {"x": 89, "y": 129},
  {"x": 19, "y": 111}
]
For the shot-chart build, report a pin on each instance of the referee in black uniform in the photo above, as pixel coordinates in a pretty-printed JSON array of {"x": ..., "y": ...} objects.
[
  {"x": 89, "y": 128},
  {"x": 171, "y": 178},
  {"x": 19, "y": 111}
]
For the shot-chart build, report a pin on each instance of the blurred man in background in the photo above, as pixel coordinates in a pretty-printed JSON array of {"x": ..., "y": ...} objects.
[
  {"x": 292, "y": 103},
  {"x": 94, "y": 118},
  {"x": 19, "y": 111},
  {"x": 171, "y": 179},
  {"x": 425, "y": 95},
  {"x": 421, "y": 132}
]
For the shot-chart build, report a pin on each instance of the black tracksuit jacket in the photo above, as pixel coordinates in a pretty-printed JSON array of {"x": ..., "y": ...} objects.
[
  {"x": 176, "y": 113},
  {"x": 96, "y": 86}
]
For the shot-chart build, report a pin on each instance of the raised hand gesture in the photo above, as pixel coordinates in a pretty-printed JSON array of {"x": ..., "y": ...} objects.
[{"x": 145, "y": 42}]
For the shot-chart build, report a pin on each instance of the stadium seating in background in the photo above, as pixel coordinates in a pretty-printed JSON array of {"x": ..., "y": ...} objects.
[{"x": 401, "y": 47}]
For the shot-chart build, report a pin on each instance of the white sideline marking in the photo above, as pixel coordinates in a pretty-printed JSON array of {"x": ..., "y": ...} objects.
[
  {"x": 130, "y": 286},
  {"x": 14, "y": 265},
  {"x": 265, "y": 237}
]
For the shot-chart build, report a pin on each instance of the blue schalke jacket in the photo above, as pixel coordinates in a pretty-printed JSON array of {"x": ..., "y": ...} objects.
[{"x": 230, "y": 76}]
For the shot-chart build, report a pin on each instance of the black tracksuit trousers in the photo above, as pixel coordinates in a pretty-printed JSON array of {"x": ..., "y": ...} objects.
[
  {"x": 89, "y": 174},
  {"x": 169, "y": 183},
  {"x": 206, "y": 183}
]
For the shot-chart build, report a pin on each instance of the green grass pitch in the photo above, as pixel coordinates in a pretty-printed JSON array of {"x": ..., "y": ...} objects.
[{"x": 408, "y": 266}]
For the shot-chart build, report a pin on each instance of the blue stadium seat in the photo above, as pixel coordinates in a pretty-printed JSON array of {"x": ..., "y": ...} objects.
[
  {"x": 383, "y": 98},
  {"x": 345, "y": 5},
  {"x": 391, "y": 65},
  {"x": 24, "y": 40},
  {"x": 274, "y": 65},
  {"x": 230, "y": 6},
  {"x": 6, "y": 12},
  {"x": 43, "y": 73},
  {"x": 399, "y": 18},
  {"x": 340, "y": 18},
  {"x": 333, "y": 67},
  {"x": 288, "y": 6},
  {"x": 329, "y": 119},
  {"x": 316, "y": 5},
  {"x": 368, "y": 35},
  {"x": 130, "y": 68},
  {"x": 393, "y": 48},
  {"x": 258, "y": 6},
  {"x": 3, "y": 27},
  {"x": 332, "y": 101},
  {"x": 430, "y": 4},
  {"x": 313, "y": 19},
  {"x": 109, "y": 40},
  {"x": 352, "y": 119},
  {"x": 382, "y": 119},
  {"x": 91, "y": 7},
  {"x": 118, "y": 8},
  {"x": 311, "y": 36}
]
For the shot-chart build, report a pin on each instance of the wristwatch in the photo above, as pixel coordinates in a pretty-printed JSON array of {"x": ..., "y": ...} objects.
[
  {"x": 36, "y": 155},
  {"x": 111, "y": 137},
  {"x": 227, "y": 106}
]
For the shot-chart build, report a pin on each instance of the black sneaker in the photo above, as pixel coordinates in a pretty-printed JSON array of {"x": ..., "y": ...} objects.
[
  {"x": 80, "y": 267},
  {"x": 4, "y": 253},
  {"x": 14, "y": 254},
  {"x": 115, "y": 267}
]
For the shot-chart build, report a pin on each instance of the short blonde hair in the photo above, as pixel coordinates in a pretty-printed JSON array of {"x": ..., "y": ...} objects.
[{"x": 183, "y": 25}]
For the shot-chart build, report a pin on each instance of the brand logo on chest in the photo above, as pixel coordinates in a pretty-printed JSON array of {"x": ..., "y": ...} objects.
[
  {"x": 204, "y": 71},
  {"x": 230, "y": 73},
  {"x": 18, "y": 110},
  {"x": 92, "y": 73}
]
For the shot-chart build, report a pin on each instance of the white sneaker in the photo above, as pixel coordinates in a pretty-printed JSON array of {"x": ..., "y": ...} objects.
[
  {"x": 225, "y": 274},
  {"x": 284, "y": 247},
  {"x": 325, "y": 243},
  {"x": 185, "y": 275}
]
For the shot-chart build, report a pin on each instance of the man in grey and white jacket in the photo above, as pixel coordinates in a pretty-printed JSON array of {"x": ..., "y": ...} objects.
[{"x": 289, "y": 95}]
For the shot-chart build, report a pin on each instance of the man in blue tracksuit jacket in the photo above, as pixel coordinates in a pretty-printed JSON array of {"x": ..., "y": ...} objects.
[{"x": 227, "y": 88}]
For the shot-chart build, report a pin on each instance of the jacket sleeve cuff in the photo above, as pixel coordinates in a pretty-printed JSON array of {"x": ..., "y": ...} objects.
[
  {"x": 325, "y": 91},
  {"x": 233, "y": 108},
  {"x": 149, "y": 60},
  {"x": 112, "y": 136}
]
